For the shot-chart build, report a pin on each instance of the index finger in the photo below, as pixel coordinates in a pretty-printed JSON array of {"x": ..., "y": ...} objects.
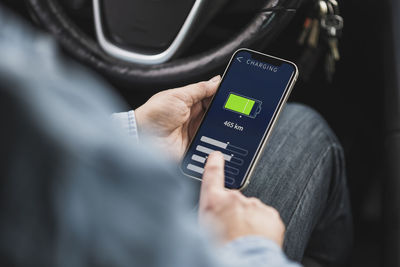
[{"x": 213, "y": 176}]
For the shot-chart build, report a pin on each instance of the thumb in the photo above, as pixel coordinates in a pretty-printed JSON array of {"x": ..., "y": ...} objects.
[{"x": 201, "y": 90}]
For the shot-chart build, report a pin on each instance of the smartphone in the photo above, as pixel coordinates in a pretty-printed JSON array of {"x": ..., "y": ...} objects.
[{"x": 241, "y": 115}]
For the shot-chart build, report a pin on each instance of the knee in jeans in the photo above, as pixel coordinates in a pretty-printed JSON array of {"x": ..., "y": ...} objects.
[{"x": 309, "y": 126}]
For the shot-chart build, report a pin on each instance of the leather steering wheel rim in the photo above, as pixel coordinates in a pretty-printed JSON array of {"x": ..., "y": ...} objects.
[{"x": 266, "y": 24}]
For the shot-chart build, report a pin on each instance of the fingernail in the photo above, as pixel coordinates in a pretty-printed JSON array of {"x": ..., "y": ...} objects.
[{"x": 216, "y": 79}]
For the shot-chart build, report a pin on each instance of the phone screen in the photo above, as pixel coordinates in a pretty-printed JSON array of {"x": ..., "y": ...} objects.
[{"x": 240, "y": 115}]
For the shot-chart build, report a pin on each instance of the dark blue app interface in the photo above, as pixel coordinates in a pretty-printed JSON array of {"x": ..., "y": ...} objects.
[{"x": 240, "y": 115}]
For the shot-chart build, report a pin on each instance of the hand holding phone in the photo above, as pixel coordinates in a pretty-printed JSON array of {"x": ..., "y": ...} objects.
[
  {"x": 241, "y": 115},
  {"x": 171, "y": 117}
]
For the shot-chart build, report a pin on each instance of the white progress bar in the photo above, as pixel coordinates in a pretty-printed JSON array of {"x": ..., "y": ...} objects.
[
  {"x": 200, "y": 170},
  {"x": 223, "y": 145},
  {"x": 195, "y": 168},
  {"x": 213, "y": 142},
  {"x": 198, "y": 158},
  {"x": 209, "y": 151}
]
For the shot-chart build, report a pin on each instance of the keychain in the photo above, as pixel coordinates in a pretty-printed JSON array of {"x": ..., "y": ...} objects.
[{"x": 323, "y": 27}]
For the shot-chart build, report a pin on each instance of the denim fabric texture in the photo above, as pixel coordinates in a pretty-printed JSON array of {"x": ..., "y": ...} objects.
[
  {"x": 302, "y": 174},
  {"x": 127, "y": 121}
]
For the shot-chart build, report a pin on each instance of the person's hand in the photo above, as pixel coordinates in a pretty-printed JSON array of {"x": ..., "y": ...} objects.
[
  {"x": 173, "y": 116},
  {"x": 230, "y": 212}
]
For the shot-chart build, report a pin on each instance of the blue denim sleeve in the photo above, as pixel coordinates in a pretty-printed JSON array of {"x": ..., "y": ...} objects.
[
  {"x": 127, "y": 122},
  {"x": 256, "y": 251},
  {"x": 78, "y": 192}
]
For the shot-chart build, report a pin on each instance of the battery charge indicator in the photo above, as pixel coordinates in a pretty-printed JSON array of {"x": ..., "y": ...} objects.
[{"x": 243, "y": 105}]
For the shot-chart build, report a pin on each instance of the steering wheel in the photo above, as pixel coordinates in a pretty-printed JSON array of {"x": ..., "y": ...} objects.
[{"x": 265, "y": 24}]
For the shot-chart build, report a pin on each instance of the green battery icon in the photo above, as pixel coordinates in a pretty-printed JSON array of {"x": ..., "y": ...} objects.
[{"x": 243, "y": 105}]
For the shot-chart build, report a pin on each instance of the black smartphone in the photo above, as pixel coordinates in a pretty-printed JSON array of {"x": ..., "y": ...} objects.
[{"x": 241, "y": 116}]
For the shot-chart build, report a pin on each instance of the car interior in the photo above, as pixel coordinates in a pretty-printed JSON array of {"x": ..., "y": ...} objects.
[{"x": 350, "y": 75}]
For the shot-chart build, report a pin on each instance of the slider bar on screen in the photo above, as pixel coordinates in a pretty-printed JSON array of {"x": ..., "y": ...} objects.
[
  {"x": 200, "y": 170},
  {"x": 201, "y": 159},
  {"x": 198, "y": 158},
  {"x": 223, "y": 145},
  {"x": 229, "y": 180},
  {"x": 213, "y": 142},
  {"x": 236, "y": 161},
  {"x": 208, "y": 151},
  {"x": 231, "y": 170},
  {"x": 195, "y": 168}
]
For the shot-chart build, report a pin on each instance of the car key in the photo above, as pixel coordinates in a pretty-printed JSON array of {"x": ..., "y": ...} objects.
[
  {"x": 335, "y": 6},
  {"x": 323, "y": 10},
  {"x": 333, "y": 24},
  {"x": 313, "y": 38},
  {"x": 330, "y": 67},
  {"x": 305, "y": 32},
  {"x": 334, "y": 50}
]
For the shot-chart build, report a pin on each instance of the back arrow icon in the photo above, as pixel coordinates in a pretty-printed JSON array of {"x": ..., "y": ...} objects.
[{"x": 239, "y": 59}]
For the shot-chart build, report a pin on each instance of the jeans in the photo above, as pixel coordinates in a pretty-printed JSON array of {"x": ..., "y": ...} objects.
[{"x": 301, "y": 173}]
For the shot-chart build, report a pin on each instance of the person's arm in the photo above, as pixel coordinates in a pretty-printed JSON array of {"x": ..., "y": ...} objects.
[{"x": 255, "y": 251}]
